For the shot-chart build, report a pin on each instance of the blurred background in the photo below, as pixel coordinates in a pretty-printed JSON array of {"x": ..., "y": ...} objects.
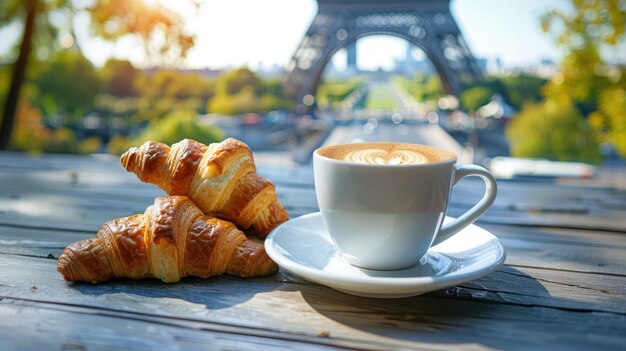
[{"x": 525, "y": 87}]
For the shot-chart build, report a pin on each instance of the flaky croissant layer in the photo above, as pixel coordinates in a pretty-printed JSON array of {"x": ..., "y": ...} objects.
[
  {"x": 220, "y": 178},
  {"x": 171, "y": 240}
]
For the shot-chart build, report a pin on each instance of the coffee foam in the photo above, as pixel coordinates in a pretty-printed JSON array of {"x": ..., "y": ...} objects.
[
  {"x": 386, "y": 153},
  {"x": 383, "y": 157}
]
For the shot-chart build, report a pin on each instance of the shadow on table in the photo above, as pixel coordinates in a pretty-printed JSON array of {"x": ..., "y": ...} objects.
[
  {"x": 191, "y": 294},
  {"x": 469, "y": 313}
]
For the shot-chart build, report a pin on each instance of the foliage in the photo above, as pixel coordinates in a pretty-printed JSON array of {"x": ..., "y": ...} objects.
[
  {"x": 168, "y": 83},
  {"x": 475, "y": 97},
  {"x": 179, "y": 125},
  {"x": 153, "y": 109},
  {"x": 119, "y": 144},
  {"x": 242, "y": 102},
  {"x": 552, "y": 130},
  {"x": 89, "y": 145},
  {"x": 381, "y": 97},
  {"x": 330, "y": 93},
  {"x": 609, "y": 122},
  {"x": 517, "y": 90},
  {"x": 423, "y": 87},
  {"x": 273, "y": 87},
  {"x": 61, "y": 140},
  {"x": 522, "y": 89},
  {"x": 433, "y": 89},
  {"x": 584, "y": 78},
  {"x": 47, "y": 31},
  {"x": 64, "y": 86},
  {"x": 242, "y": 91},
  {"x": 155, "y": 93},
  {"x": 106, "y": 104},
  {"x": 49, "y": 28},
  {"x": 411, "y": 87},
  {"x": 235, "y": 81},
  {"x": 29, "y": 133},
  {"x": 70, "y": 82},
  {"x": 160, "y": 30},
  {"x": 593, "y": 25},
  {"x": 271, "y": 102},
  {"x": 119, "y": 78},
  {"x": 32, "y": 136}
]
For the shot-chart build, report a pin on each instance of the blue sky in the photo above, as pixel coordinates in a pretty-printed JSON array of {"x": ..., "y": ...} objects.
[{"x": 252, "y": 32}]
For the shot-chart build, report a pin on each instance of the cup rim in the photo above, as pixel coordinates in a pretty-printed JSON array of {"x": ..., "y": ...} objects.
[{"x": 452, "y": 160}]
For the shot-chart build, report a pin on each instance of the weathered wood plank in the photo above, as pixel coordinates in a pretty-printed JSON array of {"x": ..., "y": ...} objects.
[
  {"x": 560, "y": 287},
  {"x": 542, "y": 248},
  {"x": 26, "y": 191},
  {"x": 98, "y": 206},
  {"x": 101, "y": 177},
  {"x": 572, "y": 250},
  {"x": 549, "y": 248},
  {"x": 520, "y": 284},
  {"x": 514, "y": 284},
  {"x": 548, "y": 288},
  {"x": 301, "y": 311},
  {"x": 67, "y": 327}
]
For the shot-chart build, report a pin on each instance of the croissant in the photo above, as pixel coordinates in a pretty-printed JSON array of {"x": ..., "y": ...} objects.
[
  {"x": 220, "y": 178},
  {"x": 171, "y": 240}
]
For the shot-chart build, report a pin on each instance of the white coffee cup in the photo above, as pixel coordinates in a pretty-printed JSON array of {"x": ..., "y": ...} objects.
[{"x": 386, "y": 217}]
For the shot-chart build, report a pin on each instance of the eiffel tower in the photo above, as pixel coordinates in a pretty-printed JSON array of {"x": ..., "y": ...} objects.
[{"x": 427, "y": 24}]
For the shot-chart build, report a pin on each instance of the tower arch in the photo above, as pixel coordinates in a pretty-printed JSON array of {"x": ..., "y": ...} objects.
[{"x": 427, "y": 24}]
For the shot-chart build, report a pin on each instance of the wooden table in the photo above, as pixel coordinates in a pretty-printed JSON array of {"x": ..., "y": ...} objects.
[{"x": 563, "y": 285}]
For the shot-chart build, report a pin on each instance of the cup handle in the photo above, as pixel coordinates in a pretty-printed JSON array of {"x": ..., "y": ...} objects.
[{"x": 460, "y": 172}]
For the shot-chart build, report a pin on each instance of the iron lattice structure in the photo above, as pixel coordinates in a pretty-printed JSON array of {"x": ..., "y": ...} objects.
[{"x": 427, "y": 24}]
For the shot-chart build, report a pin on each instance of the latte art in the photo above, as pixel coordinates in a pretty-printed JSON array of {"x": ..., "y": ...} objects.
[
  {"x": 385, "y": 153},
  {"x": 384, "y": 157}
]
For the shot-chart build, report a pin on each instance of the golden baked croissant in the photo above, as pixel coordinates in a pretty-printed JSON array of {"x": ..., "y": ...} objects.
[
  {"x": 171, "y": 240},
  {"x": 220, "y": 178}
]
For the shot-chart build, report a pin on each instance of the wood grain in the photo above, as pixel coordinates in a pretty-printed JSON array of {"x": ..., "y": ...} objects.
[
  {"x": 457, "y": 315},
  {"x": 562, "y": 285}
]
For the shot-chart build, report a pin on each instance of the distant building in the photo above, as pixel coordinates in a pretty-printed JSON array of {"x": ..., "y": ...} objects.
[
  {"x": 274, "y": 71},
  {"x": 545, "y": 68}
]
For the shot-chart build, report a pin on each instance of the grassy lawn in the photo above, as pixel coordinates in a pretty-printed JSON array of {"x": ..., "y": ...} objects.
[
  {"x": 381, "y": 97},
  {"x": 422, "y": 88},
  {"x": 333, "y": 92}
]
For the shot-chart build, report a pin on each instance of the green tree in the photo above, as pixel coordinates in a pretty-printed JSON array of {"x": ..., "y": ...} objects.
[
  {"x": 49, "y": 22},
  {"x": 584, "y": 78},
  {"x": 234, "y": 81},
  {"x": 169, "y": 83},
  {"x": 433, "y": 89},
  {"x": 119, "y": 77},
  {"x": 179, "y": 125},
  {"x": 9, "y": 9},
  {"x": 517, "y": 90},
  {"x": 552, "y": 130},
  {"x": 523, "y": 89},
  {"x": 166, "y": 90},
  {"x": 242, "y": 102},
  {"x": 475, "y": 97},
  {"x": 170, "y": 129},
  {"x": 61, "y": 140},
  {"x": 242, "y": 91},
  {"x": 609, "y": 121},
  {"x": 69, "y": 82}
]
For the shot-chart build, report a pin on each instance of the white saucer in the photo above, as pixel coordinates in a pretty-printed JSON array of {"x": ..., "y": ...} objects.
[{"x": 303, "y": 246}]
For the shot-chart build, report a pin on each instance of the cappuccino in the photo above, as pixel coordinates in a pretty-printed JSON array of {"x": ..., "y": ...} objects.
[
  {"x": 387, "y": 216},
  {"x": 386, "y": 153}
]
